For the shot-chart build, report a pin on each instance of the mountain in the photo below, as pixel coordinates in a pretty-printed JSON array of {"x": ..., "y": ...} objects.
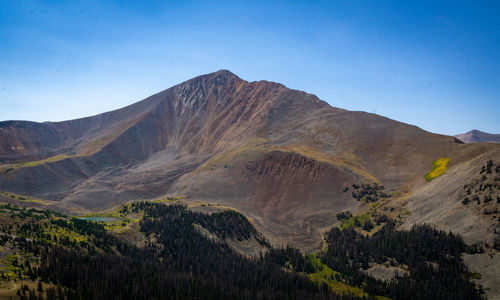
[
  {"x": 281, "y": 156},
  {"x": 291, "y": 163},
  {"x": 476, "y": 136}
]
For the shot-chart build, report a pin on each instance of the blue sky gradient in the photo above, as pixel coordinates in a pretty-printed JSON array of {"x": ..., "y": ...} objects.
[{"x": 434, "y": 64}]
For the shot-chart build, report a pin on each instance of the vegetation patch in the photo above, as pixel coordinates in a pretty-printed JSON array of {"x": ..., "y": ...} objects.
[
  {"x": 25, "y": 198},
  {"x": 439, "y": 166},
  {"x": 99, "y": 219},
  {"x": 11, "y": 167},
  {"x": 169, "y": 199},
  {"x": 354, "y": 221},
  {"x": 367, "y": 192},
  {"x": 325, "y": 275}
]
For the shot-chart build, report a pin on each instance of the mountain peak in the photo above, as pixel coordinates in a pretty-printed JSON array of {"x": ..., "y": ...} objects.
[
  {"x": 224, "y": 72},
  {"x": 221, "y": 74},
  {"x": 477, "y": 136},
  {"x": 218, "y": 78}
]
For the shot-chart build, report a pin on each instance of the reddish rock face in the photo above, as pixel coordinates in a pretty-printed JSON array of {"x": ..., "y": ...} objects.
[{"x": 279, "y": 155}]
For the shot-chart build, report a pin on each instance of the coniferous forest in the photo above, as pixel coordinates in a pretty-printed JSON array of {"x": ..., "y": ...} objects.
[{"x": 70, "y": 258}]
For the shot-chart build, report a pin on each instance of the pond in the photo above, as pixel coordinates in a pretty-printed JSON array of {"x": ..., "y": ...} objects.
[{"x": 99, "y": 219}]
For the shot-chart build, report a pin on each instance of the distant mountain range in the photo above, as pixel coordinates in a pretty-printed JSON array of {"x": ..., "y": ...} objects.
[
  {"x": 284, "y": 158},
  {"x": 476, "y": 136}
]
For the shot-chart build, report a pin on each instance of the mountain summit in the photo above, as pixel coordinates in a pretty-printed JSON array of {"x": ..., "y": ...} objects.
[
  {"x": 281, "y": 156},
  {"x": 477, "y": 136}
]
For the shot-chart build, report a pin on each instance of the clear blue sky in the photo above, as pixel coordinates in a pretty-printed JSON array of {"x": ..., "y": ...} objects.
[{"x": 434, "y": 64}]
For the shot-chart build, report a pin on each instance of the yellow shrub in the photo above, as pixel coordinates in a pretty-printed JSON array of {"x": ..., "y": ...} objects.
[{"x": 439, "y": 166}]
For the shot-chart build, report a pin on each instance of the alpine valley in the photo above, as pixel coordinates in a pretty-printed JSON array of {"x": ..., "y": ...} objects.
[{"x": 221, "y": 188}]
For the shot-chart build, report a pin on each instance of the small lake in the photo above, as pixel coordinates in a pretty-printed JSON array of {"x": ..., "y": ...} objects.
[{"x": 99, "y": 219}]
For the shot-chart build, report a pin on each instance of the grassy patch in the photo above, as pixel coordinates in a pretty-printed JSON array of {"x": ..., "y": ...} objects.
[
  {"x": 26, "y": 198},
  {"x": 61, "y": 232},
  {"x": 355, "y": 221},
  {"x": 439, "y": 166},
  {"x": 10, "y": 269},
  {"x": 11, "y": 167},
  {"x": 475, "y": 275},
  {"x": 326, "y": 275}
]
